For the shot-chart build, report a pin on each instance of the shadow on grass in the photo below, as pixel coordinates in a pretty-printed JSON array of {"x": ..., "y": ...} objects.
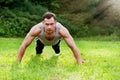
[
  {"x": 39, "y": 62},
  {"x": 37, "y": 68},
  {"x": 40, "y": 68}
]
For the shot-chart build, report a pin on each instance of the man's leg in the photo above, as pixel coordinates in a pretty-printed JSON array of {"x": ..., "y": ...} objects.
[
  {"x": 56, "y": 48},
  {"x": 39, "y": 46}
]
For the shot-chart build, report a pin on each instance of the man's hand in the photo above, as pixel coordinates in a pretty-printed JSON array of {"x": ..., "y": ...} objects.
[{"x": 80, "y": 62}]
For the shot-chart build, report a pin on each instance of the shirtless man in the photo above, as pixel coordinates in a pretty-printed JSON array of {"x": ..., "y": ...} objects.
[{"x": 49, "y": 32}]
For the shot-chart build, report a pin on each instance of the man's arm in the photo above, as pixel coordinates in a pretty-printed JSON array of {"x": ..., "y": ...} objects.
[
  {"x": 27, "y": 41},
  {"x": 70, "y": 42}
]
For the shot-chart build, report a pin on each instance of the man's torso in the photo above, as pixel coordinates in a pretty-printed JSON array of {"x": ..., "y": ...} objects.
[{"x": 49, "y": 39}]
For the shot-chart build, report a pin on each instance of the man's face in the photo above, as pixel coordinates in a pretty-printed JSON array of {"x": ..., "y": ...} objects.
[{"x": 49, "y": 25}]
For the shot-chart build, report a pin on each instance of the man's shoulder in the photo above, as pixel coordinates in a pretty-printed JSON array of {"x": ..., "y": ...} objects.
[
  {"x": 35, "y": 30},
  {"x": 63, "y": 31},
  {"x": 38, "y": 25},
  {"x": 59, "y": 24}
]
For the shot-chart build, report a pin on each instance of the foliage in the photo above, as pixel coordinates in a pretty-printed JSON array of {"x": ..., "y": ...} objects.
[
  {"x": 81, "y": 17},
  {"x": 74, "y": 29},
  {"x": 11, "y": 3},
  {"x": 50, "y": 4},
  {"x": 87, "y": 18},
  {"x": 16, "y": 22},
  {"x": 34, "y": 9}
]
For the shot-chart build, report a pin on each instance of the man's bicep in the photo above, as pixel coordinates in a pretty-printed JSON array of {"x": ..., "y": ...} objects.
[
  {"x": 28, "y": 39},
  {"x": 67, "y": 37},
  {"x": 30, "y": 36},
  {"x": 69, "y": 40}
]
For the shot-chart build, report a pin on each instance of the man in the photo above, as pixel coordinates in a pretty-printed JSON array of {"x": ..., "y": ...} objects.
[{"x": 49, "y": 32}]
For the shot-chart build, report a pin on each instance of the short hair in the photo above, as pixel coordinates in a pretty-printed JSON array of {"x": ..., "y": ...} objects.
[{"x": 48, "y": 15}]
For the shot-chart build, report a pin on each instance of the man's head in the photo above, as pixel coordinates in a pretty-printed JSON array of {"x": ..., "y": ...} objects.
[
  {"x": 49, "y": 21},
  {"x": 48, "y": 15}
]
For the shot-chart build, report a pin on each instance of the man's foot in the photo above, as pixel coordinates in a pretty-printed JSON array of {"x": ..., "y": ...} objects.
[{"x": 56, "y": 54}]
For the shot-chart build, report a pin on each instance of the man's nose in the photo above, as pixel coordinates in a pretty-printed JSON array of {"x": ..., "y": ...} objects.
[{"x": 49, "y": 26}]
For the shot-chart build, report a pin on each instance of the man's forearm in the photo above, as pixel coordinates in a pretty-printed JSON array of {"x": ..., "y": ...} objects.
[
  {"x": 77, "y": 55},
  {"x": 20, "y": 54}
]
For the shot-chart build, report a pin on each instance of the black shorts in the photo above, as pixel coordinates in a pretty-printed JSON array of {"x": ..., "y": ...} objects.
[{"x": 40, "y": 47}]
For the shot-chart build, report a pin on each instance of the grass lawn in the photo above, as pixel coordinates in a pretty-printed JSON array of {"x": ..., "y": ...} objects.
[{"x": 102, "y": 61}]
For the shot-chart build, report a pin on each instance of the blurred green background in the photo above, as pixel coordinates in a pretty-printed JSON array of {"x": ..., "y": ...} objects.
[{"x": 83, "y": 18}]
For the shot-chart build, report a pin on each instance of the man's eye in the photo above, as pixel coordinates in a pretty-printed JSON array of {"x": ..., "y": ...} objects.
[
  {"x": 47, "y": 24},
  {"x": 51, "y": 24}
]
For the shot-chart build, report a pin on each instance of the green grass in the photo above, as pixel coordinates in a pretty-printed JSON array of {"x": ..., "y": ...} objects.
[{"x": 102, "y": 61}]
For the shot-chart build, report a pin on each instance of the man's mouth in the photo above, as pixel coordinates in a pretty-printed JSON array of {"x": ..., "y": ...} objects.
[{"x": 49, "y": 31}]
